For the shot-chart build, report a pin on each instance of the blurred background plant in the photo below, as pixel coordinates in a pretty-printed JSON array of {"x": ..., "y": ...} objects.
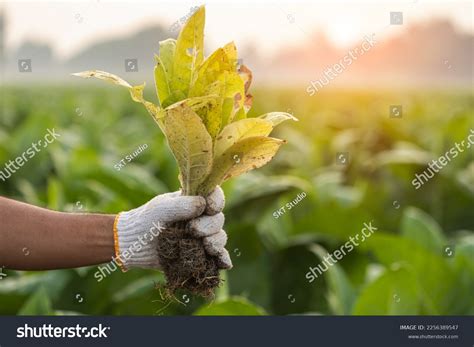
[{"x": 402, "y": 269}]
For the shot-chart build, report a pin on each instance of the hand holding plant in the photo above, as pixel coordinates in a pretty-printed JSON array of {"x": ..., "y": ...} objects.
[
  {"x": 203, "y": 107},
  {"x": 137, "y": 231}
]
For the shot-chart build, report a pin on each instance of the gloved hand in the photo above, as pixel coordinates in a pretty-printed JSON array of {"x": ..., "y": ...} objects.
[{"x": 136, "y": 231}]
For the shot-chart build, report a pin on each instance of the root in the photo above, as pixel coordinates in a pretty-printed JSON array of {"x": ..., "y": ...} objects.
[{"x": 186, "y": 264}]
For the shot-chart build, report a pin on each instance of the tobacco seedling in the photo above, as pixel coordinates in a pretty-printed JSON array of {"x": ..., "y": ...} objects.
[{"x": 202, "y": 111}]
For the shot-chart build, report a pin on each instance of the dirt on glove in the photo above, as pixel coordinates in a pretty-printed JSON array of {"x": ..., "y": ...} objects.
[{"x": 186, "y": 264}]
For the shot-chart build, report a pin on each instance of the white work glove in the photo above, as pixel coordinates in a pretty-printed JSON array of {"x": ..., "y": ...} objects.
[{"x": 136, "y": 231}]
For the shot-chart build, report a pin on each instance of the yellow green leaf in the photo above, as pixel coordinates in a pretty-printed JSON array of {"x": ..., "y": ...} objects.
[
  {"x": 233, "y": 90},
  {"x": 164, "y": 69},
  {"x": 161, "y": 81},
  {"x": 102, "y": 75},
  {"x": 240, "y": 130},
  {"x": 174, "y": 97},
  {"x": 231, "y": 53},
  {"x": 245, "y": 155},
  {"x": 198, "y": 103},
  {"x": 191, "y": 145},
  {"x": 189, "y": 52},
  {"x": 167, "y": 52},
  {"x": 277, "y": 117},
  {"x": 201, "y": 105},
  {"x": 212, "y": 116},
  {"x": 229, "y": 87},
  {"x": 209, "y": 71},
  {"x": 240, "y": 114},
  {"x": 136, "y": 92}
]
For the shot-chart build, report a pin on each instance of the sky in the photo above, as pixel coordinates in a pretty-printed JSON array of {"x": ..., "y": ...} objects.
[{"x": 270, "y": 25}]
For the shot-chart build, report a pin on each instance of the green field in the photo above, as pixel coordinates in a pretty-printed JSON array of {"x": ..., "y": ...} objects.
[{"x": 403, "y": 268}]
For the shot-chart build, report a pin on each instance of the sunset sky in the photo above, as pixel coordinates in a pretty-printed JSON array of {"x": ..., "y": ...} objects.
[{"x": 270, "y": 25}]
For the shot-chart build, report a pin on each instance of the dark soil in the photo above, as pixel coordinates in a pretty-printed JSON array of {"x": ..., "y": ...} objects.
[{"x": 186, "y": 264}]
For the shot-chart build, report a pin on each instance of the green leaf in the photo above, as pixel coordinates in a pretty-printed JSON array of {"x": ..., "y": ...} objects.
[
  {"x": 167, "y": 53},
  {"x": 393, "y": 293},
  {"x": 222, "y": 292},
  {"x": 466, "y": 177},
  {"x": 38, "y": 304},
  {"x": 438, "y": 295},
  {"x": 403, "y": 153},
  {"x": 191, "y": 145},
  {"x": 277, "y": 117},
  {"x": 420, "y": 227},
  {"x": 161, "y": 82},
  {"x": 189, "y": 52},
  {"x": 260, "y": 186},
  {"x": 174, "y": 97},
  {"x": 341, "y": 294},
  {"x": 53, "y": 281},
  {"x": 164, "y": 69},
  {"x": 243, "y": 156},
  {"x": 235, "y": 306},
  {"x": 137, "y": 288},
  {"x": 240, "y": 130},
  {"x": 55, "y": 194},
  {"x": 67, "y": 313}
]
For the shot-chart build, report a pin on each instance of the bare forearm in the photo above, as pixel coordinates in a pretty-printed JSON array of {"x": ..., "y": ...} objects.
[{"x": 32, "y": 238}]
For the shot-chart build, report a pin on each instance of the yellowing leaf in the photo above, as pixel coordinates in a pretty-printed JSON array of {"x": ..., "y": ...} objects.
[
  {"x": 201, "y": 105},
  {"x": 209, "y": 71},
  {"x": 245, "y": 155},
  {"x": 241, "y": 114},
  {"x": 197, "y": 103},
  {"x": 233, "y": 85},
  {"x": 218, "y": 75},
  {"x": 248, "y": 103},
  {"x": 202, "y": 101},
  {"x": 191, "y": 146},
  {"x": 102, "y": 75},
  {"x": 240, "y": 130},
  {"x": 136, "y": 92},
  {"x": 232, "y": 91},
  {"x": 246, "y": 75},
  {"x": 231, "y": 53},
  {"x": 277, "y": 117},
  {"x": 228, "y": 86},
  {"x": 212, "y": 116},
  {"x": 189, "y": 52}
]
